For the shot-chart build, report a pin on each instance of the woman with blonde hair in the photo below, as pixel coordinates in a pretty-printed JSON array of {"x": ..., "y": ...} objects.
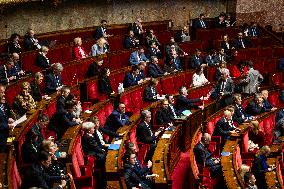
[
  {"x": 99, "y": 48},
  {"x": 243, "y": 170},
  {"x": 24, "y": 102},
  {"x": 79, "y": 51}
]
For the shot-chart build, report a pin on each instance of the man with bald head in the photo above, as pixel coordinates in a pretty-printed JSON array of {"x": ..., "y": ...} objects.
[
  {"x": 203, "y": 156},
  {"x": 225, "y": 126}
]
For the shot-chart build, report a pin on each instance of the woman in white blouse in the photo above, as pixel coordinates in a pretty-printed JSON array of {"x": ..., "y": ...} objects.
[{"x": 198, "y": 78}]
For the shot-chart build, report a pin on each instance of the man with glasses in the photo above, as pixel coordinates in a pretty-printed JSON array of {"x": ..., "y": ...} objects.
[{"x": 117, "y": 118}]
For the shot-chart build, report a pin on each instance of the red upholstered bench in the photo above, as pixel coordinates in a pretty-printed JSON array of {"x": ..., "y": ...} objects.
[{"x": 15, "y": 175}]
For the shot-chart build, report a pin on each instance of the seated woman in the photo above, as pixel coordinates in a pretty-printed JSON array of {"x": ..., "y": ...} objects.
[
  {"x": 198, "y": 78},
  {"x": 104, "y": 85},
  {"x": 99, "y": 48},
  {"x": 79, "y": 51},
  {"x": 150, "y": 92},
  {"x": 13, "y": 44},
  {"x": 243, "y": 170},
  {"x": 24, "y": 102}
]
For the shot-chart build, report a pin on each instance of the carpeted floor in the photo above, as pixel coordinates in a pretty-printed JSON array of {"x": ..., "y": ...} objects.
[{"x": 180, "y": 174}]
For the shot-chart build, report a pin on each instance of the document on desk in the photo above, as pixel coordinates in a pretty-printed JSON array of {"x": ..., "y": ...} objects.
[
  {"x": 118, "y": 141},
  {"x": 114, "y": 146},
  {"x": 19, "y": 121},
  {"x": 225, "y": 153},
  {"x": 166, "y": 136},
  {"x": 187, "y": 112}
]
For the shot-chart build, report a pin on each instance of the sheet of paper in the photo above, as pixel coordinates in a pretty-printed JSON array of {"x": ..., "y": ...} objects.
[
  {"x": 167, "y": 136},
  {"x": 118, "y": 141},
  {"x": 21, "y": 120}
]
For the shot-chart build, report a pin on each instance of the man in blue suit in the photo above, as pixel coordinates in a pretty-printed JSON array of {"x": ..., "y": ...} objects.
[
  {"x": 5, "y": 119},
  {"x": 53, "y": 80},
  {"x": 154, "y": 69},
  {"x": 200, "y": 23},
  {"x": 240, "y": 42},
  {"x": 196, "y": 59},
  {"x": 138, "y": 56},
  {"x": 203, "y": 156},
  {"x": 132, "y": 78}
]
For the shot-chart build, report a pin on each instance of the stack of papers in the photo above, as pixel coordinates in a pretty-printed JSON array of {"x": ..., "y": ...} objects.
[
  {"x": 118, "y": 141},
  {"x": 114, "y": 147},
  {"x": 166, "y": 136},
  {"x": 225, "y": 153}
]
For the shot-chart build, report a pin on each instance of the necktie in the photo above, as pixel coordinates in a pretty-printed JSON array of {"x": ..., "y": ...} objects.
[
  {"x": 173, "y": 111},
  {"x": 2, "y": 108},
  {"x": 223, "y": 86},
  {"x": 202, "y": 24},
  {"x": 243, "y": 45}
]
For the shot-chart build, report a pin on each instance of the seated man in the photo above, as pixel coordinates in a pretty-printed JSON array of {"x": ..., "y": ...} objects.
[
  {"x": 196, "y": 59},
  {"x": 164, "y": 115},
  {"x": 172, "y": 109},
  {"x": 62, "y": 120},
  {"x": 151, "y": 38},
  {"x": 36, "y": 176},
  {"x": 212, "y": 58},
  {"x": 53, "y": 80},
  {"x": 173, "y": 63},
  {"x": 266, "y": 104},
  {"x": 183, "y": 103},
  {"x": 60, "y": 101},
  {"x": 138, "y": 56},
  {"x": 145, "y": 134},
  {"x": 225, "y": 126},
  {"x": 117, "y": 119},
  {"x": 131, "y": 41},
  {"x": 150, "y": 92},
  {"x": 135, "y": 177},
  {"x": 36, "y": 92},
  {"x": 255, "y": 107},
  {"x": 101, "y": 31},
  {"x": 222, "y": 56},
  {"x": 154, "y": 50},
  {"x": 95, "y": 68},
  {"x": 200, "y": 23},
  {"x": 39, "y": 129},
  {"x": 30, "y": 148},
  {"x": 183, "y": 35},
  {"x": 9, "y": 72},
  {"x": 132, "y": 78},
  {"x": 240, "y": 42},
  {"x": 30, "y": 41},
  {"x": 154, "y": 69},
  {"x": 41, "y": 59},
  {"x": 240, "y": 116},
  {"x": 204, "y": 158},
  {"x": 173, "y": 46},
  {"x": 254, "y": 31}
]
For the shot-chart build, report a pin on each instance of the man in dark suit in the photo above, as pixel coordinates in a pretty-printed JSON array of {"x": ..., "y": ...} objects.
[
  {"x": 255, "y": 107},
  {"x": 203, "y": 156},
  {"x": 266, "y": 104},
  {"x": 172, "y": 109},
  {"x": 132, "y": 78},
  {"x": 35, "y": 87},
  {"x": 154, "y": 51},
  {"x": 41, "y": 60},
  {"x": 163, "y": 114},
  {"x": 240, "y": 42},
  {"x": 154, "y": 69},
  {"x": 200, "y": 22},
  {"x": 223, "y": 90},
  {"x": 240, "y": 116},
  {"x": 9, "y": 72},
  {"x": 39, "y": 129},
  {"x": 196, "y": 59},
  {"x": 5, "y": 119},
  {"x": 212, "y": 58},
  {"x": 138, "y": 30},
  {"x": 225, "y": 126},
  {"x": 60, "y": 102},
  {"x": 150, "y": 92},
  {"x": 130, "y": 41},
  {"x": 30, "y": 41},
  {"x": 253, "y": 30},
  {"x": 145, "y": 134},
  {"x": 101, "y": 31},
  {"x": 183, "y": 103},
  {"x": 220, "y": 21},
  {"x": 62, "y": 120},
  {"x": 173, "y": 46},
  {"x": 37, "y": 177},
  {"x": 53, "y": 80},
  {"x": 173, "y": 61},
  {"x": 117, "y": 118}
]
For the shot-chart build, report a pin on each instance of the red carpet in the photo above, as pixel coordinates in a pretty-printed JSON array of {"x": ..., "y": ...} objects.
[{"x": 180, "y": 176}]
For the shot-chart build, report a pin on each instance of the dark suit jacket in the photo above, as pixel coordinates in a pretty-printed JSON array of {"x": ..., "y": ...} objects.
[
  {"x": 91, "y": 146},
  {"x": 60, "y": 122},
  {"x": 164, "y": 116},
  {"x": 279, "y": 115},
  {"x": 202, "y": 155},
  {"x": 238, "y": 44},
  {"x": 253, "y": 109},
  {"x": 93, "y": 70},
  {"x": 28, "y": 43},
  {"x": 135, "y": 29},
  {"x": 130, "y": 42},
  {"x": 36, "y": 176},
  {"x": 12, "y": 48},
  {"x": 42, "y": 62},
  {"x": 239, "y": 114},
  {"x": 4, "y": 71},
  {"x": 144, "y": 134},
  {"x": 155, "y": 70},
  {"x": 116, "y": 120},
  {"x": 104, "y": 86},
  {"x": 225, "y": 47},
  {"x": 254, "y": 31},
  {"x": 196, "y": 61},
  {"x": 29, "y": 152},
  {"x": 51, "y": 84},
  {"x": 99, "y": 33},
  {"x": 228, "y": 89},
  {"x": 36, "y": 129},
  {"x": 259, "y": 167},
  {"x": 267, "y": 106},
  {"x": 154, "y": 52},
  {"x": 197, "y": 24},
  {"x": 60, "y": 103},
  {"x": 211, "y": 60},
  {"x": 183, "y": 103},
  {"x": 4, "y": 129},
  {"x": 150, "y": 94},
  {"x": 223, "y": 128},
  {"x": 35, "y": 91},
  {"x": 134, "y": 177},
  {"x": 129, "y": 80}
]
